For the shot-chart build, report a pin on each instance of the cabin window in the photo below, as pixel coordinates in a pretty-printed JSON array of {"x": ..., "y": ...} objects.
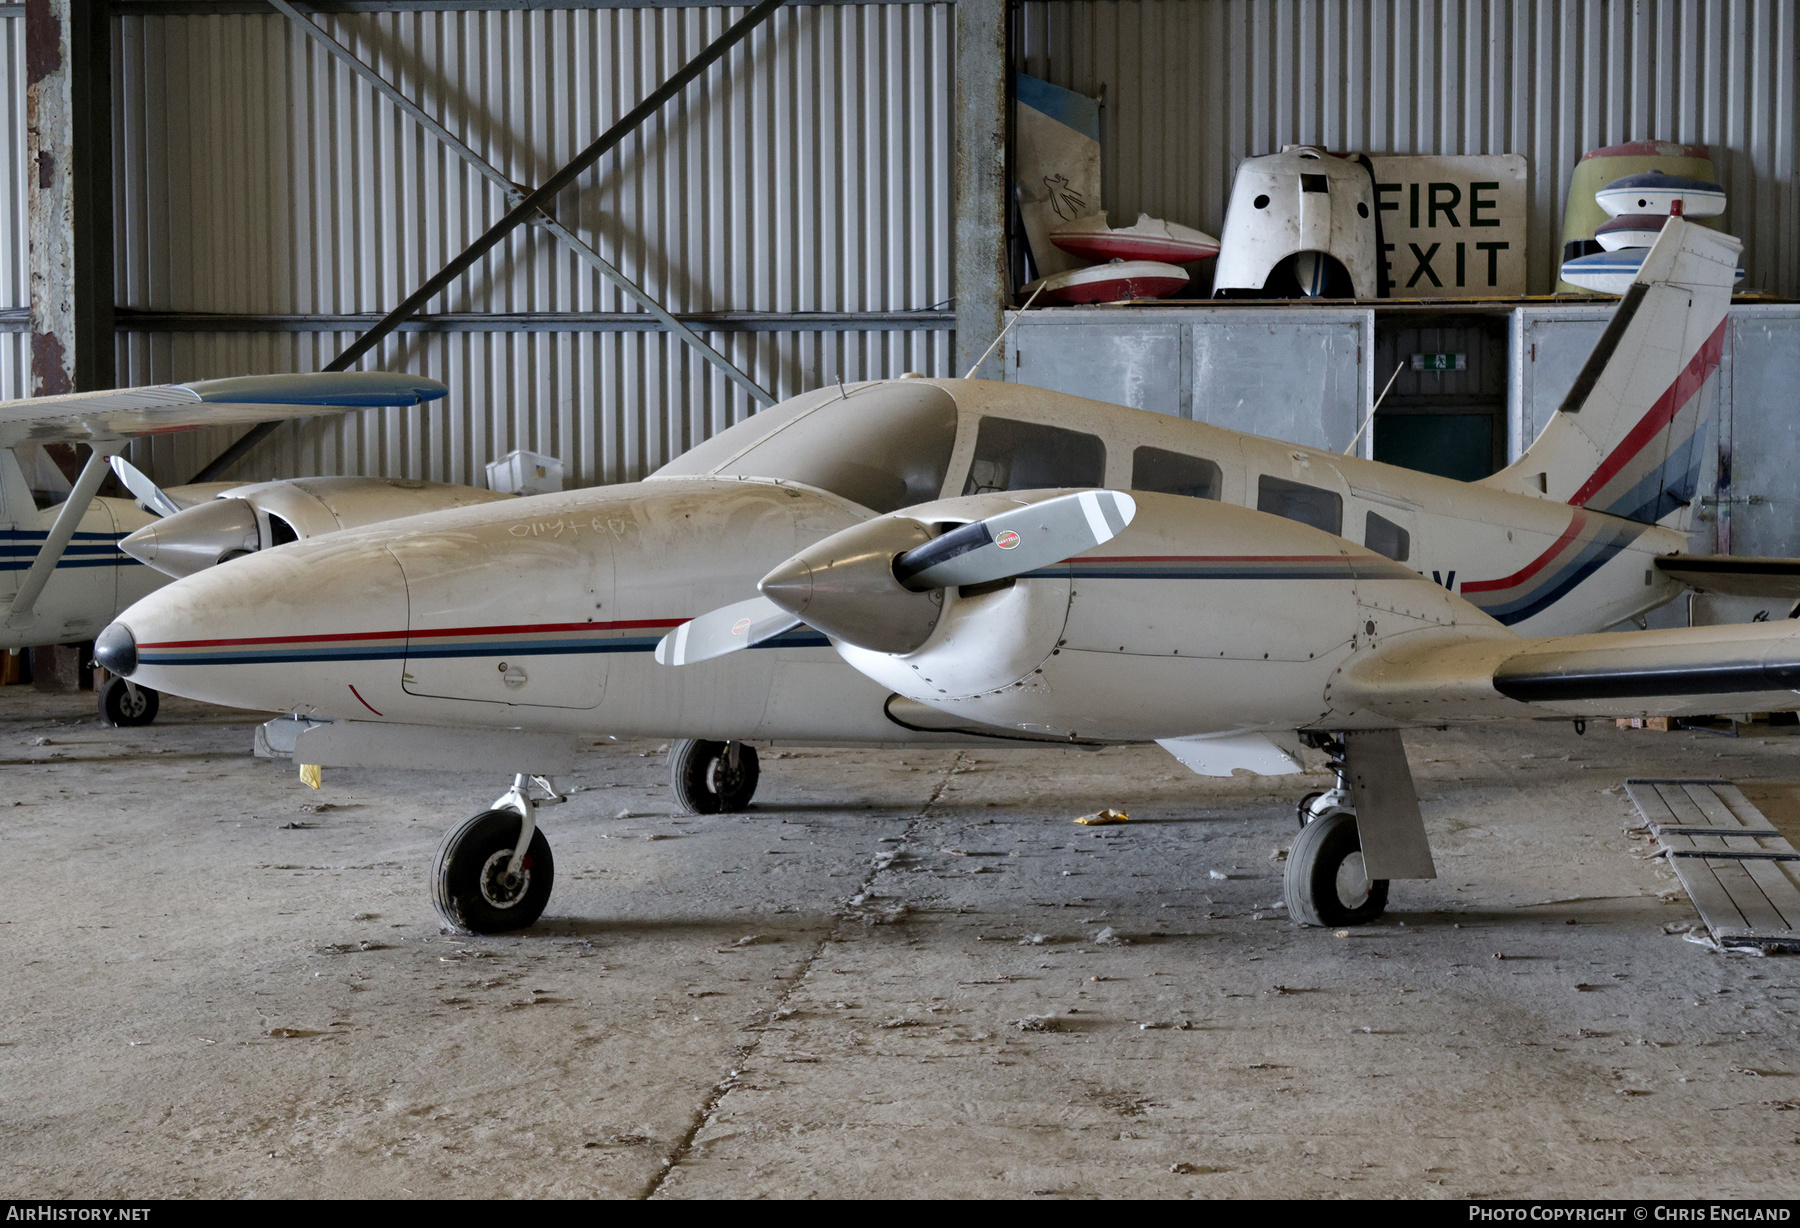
[
  {"x": 1313, "y": 505},
  {"x": 1031, "y": 456},
  {"x": 1171, "y": 473},
  {"x": 1383, "y": 536}
]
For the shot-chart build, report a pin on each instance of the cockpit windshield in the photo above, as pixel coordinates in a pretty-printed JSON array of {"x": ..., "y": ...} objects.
[{"x": 885, "y": 446}]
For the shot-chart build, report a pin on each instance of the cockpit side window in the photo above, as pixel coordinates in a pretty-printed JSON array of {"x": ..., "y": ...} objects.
[
  {"x": 1013, "y": 455},
  {"x": 1383, "y": 536},
  {"x": 1172, "y": 473},
  {"x": 1313, "y": 505}
]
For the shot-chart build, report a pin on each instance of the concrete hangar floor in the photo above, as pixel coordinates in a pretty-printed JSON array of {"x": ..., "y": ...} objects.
[{"x": 900, "y": 974}]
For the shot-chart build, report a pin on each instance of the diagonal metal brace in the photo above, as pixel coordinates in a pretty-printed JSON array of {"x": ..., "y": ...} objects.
[
  {"x": 62, "y": 531},
  {"x": 527, "y": 208},
  {"x": 515, "y": 195}
]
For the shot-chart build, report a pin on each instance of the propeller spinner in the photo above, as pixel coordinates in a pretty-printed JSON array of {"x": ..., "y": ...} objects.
[{"x": 879, "y": 585}]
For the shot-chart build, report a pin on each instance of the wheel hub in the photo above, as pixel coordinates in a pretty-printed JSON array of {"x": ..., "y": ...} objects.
[
  {"x": 1353, "y": 881},
  {"x": 723, "y": 779},
  {"x": 500, "y": 887}
]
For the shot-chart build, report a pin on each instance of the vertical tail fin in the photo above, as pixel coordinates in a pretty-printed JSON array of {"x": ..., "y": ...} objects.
[{"x": 1627, "y": 439}]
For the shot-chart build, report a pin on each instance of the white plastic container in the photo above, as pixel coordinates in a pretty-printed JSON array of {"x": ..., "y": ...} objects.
[{"x": 525, "y": 473}]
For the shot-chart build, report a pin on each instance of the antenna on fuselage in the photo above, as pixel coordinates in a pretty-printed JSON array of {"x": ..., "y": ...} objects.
[
  {"x": 1373, "y": 408},
  {"x": 1003, "y": 332}
]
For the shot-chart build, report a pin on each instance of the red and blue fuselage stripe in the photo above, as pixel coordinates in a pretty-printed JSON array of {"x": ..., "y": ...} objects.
[{"x": 565, "y": 639}]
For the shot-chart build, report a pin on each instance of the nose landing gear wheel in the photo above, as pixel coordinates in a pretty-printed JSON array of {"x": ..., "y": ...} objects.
[
  {"x": 123, "y": 705},
  {"x": 1324, "y": 882},
  {"x": 471, "y": 886},
  {"x": 712, "y": 777}
]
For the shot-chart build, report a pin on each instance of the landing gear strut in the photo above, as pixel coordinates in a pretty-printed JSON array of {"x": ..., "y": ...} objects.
[
  {"x": 494, "y": 871},
  {"x": 1325, "y": 883},
  {"x": 123, "y": 704},
  {"x": 712, "y": 777}
]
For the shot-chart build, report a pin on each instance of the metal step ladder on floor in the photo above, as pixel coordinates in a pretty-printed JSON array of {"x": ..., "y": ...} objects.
[{"x": 1741, "y": 873}]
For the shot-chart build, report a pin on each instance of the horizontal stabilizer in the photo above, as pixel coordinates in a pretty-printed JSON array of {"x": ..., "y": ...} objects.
[
  {"x": 87, "y": 417},
  {"x": 1684, "y": 671},
  {"x": 1588, "y": 668},
  {"x": 1733, "y": 576}
]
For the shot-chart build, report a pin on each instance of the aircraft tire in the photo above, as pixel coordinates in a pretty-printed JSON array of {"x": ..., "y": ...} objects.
[
  {"x": 1323, "y": 882},
  {"x": 703, "y": 780},
  {"x": 117, "y": 708},
  {"x": 466, "y": 887}
]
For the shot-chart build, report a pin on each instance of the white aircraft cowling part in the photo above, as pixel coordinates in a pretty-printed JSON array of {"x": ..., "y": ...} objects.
[{"x": 1301, "y": 205}]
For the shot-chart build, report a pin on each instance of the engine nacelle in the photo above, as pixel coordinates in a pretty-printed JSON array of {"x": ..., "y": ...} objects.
[{"x": 1198, "y": 615}]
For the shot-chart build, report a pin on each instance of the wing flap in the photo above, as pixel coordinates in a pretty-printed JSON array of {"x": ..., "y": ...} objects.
[{"x": 121, "y": 413}]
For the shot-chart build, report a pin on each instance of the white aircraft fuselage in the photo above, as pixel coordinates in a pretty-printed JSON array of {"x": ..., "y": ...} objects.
[{"x": 542, "y": 613}]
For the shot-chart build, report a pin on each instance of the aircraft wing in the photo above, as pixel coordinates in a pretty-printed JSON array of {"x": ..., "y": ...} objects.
[
  {"x": 1734, "y": 576},
  {"x": 90, "y": 417},
  {"x": 1687, "y": 671}
]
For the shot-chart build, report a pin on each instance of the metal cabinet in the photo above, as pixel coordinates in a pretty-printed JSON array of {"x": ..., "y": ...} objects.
[
  {"x": 1549, "y": 345},
  {"x": 1301, "y": 375},
  {"x": 1758, "y": 505}
]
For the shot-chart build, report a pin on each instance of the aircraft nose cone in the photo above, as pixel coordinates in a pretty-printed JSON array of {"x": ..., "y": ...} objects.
[
  {"x": 789, "y": 586},
  {"x": 115, "y": 650}
]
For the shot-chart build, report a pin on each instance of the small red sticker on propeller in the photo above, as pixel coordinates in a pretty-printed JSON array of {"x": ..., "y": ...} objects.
[
  {"x": 1007, "y": 540},
  {"x": 740, "y": 626}
]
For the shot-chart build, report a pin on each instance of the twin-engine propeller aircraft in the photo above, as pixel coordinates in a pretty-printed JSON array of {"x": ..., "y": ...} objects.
[
  {"x": 67, "y": 570},
  {"x": 1005, "y": 563}
]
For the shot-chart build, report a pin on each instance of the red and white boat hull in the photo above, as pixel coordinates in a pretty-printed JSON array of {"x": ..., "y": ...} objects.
[
  {"x": 1114, "y": 282},
  {"x": 1149, "y": 239}
]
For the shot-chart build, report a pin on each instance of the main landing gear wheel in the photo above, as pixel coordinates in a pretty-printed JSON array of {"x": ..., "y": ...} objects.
[
  {"x": 712, "y": 777},
  {"x": 1325, "y": 883},
  {"x": 123, "y": 705},
  {"x": 474, "y": 886}
]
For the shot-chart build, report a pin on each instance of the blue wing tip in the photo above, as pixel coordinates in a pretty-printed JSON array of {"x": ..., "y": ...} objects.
[{"x": 353, "y": 389}]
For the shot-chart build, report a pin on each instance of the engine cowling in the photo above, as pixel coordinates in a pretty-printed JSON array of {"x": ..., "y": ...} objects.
[{"x": 1199, "y": 617}]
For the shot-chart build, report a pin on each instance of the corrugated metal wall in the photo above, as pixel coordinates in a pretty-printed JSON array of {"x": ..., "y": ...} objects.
[
  {"x": 255, "y": 174},
  {"x": 1191, "y": 87}
]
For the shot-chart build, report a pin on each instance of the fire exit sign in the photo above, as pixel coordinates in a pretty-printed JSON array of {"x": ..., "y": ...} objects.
[
  {"x": 1452, "y": 227},
  {"x": 1440, "y": 362}
]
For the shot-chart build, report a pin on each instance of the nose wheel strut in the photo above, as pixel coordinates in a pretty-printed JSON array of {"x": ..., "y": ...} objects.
[{"x": 494, "y": 871}]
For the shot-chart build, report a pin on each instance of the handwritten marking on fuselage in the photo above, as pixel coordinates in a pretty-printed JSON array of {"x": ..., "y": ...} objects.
[{"x": 567, "y": 526}]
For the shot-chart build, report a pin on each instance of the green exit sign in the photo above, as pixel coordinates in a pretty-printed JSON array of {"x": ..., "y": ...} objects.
[{"x": 1440, "y": 362}]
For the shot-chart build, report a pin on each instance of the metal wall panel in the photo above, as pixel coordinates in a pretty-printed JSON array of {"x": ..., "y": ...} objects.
[
  {"x": 15, "y": 250},
  {"x": 809, "y": 171},
  {"x": 1192, "y": 87}
]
